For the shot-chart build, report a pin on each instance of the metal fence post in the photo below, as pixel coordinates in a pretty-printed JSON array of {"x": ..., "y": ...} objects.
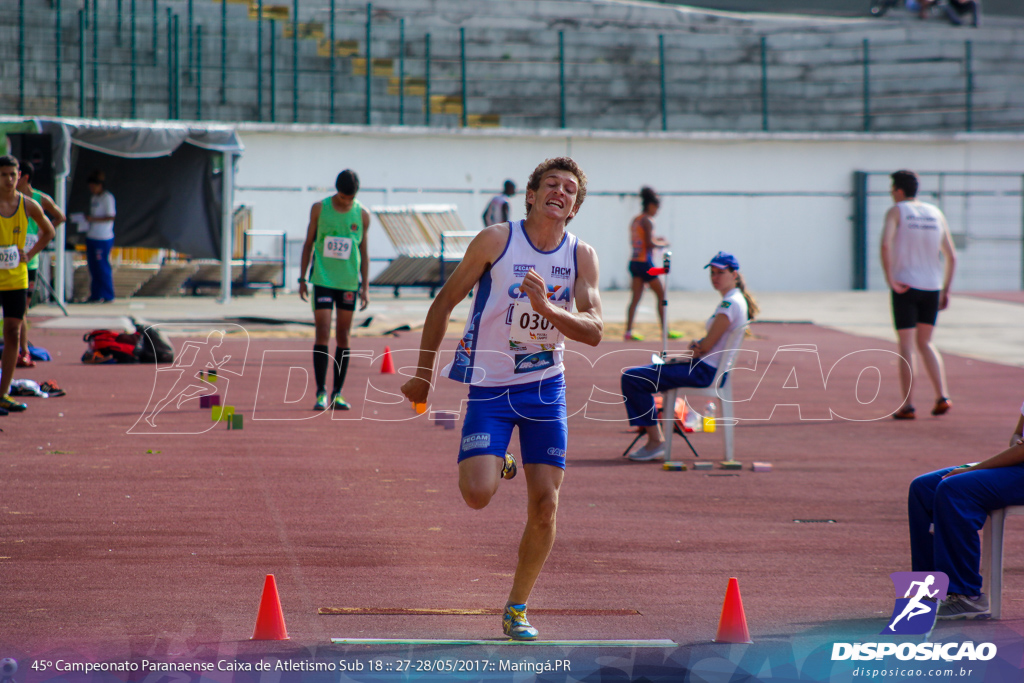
[
  {"x": 21, "y": 57},
  {"x": 426, "y": 77},
  {"x": 295, "y": 61},
  {"x": 330, "y": 114},
  {"x": 199, "y": 72},
  {"x": 867, "y": 86},
  {"x": 170, "y": 65},
  {"x": 190, "y": 45},
  {"x": 273, "y": 71},
  {"x": 223, "y": 51},
  {"x": 764, "y": 83},
  {"x": 95, "y": 59},
  {"x": 561, "y": 79},
  {"x": 664, "y": 97},
  {"x": 969, "y": 85},
  {"x": 462, "y": 60},
  {"x": 81, "y": 62},
  {"x": 259, "y": 60},
  {"x": 369, "y": 61},
  {"x": 860, "y": 230},
  {"x": 156, "y": 45},
  {"x": 401, "y": 71},
  {"x": 177, "y": 68},
  {"x": 57, "y": 54},
  {"x": 133, "y": 51}
]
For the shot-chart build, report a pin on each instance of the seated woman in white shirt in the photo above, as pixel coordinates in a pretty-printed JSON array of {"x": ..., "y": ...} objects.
[{"x": 641, "y": 383}]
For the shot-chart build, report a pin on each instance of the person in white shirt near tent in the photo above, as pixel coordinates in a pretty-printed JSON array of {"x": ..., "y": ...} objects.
[{"x": 100, "y": 239}]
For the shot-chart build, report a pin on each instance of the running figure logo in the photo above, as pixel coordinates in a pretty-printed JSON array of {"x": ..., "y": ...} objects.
[
  {"x": 222, "y": 348},
  {"x": 914, "y": 613}
]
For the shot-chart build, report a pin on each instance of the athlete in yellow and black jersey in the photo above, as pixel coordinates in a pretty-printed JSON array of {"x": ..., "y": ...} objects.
[{"x": 15, "y": 210}]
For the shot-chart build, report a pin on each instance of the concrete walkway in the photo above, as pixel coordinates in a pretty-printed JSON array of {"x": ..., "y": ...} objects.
[{"x": 974, "y": 327}]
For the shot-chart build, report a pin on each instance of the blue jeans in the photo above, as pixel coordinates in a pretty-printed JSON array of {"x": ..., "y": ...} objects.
[
  {"x": 957, "y": 507},
  {"x": 97, "y": 254},
  {"x": 641, "y": 383}
]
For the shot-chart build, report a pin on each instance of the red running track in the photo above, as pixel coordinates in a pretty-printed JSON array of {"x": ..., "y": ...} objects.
[{"x": 159, "y": 543}]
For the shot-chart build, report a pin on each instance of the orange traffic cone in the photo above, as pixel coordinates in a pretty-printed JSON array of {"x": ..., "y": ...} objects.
[
  {"x": 387, "y": 366},
  {"x": 270, "y": 618},
  {"x": 732, "y": 626}
]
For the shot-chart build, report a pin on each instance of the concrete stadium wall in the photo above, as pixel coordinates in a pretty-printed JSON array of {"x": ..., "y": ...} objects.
[{"x": 781, "y": 202}]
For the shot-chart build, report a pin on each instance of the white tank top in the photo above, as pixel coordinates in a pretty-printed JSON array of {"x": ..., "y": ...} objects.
[
  {"x": 496, "y": 211},
  {"x": 486, "y": 356},
  {"x": 917, "y": 249}
]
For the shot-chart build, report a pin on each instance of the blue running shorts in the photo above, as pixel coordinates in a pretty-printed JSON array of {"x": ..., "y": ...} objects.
[{"x": 537, "y": 408}]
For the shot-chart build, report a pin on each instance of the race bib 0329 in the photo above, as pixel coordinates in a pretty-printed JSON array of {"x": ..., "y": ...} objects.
[{"x": 338, "y": 247}]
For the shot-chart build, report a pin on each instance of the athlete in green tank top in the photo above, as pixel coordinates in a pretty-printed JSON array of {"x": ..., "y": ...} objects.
[
  {"x": 56, "y": 217},
  {"x": 33, "y": 230},
  {"x": 336, "y": 251},
  {"x": 336, "y": 245}
]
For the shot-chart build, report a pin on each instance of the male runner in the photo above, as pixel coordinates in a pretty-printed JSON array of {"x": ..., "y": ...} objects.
[
  {"x": 498, "y": 209},
  {"x": 914, "y": 240},
  {"x": 526, "y": 275},
  {"x": 56, "y": 217},
  {"x": 336, "y": 240},
  {"x": 15, "y": 211}
]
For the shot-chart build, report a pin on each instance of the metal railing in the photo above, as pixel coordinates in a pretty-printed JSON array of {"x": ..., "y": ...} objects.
[
  {"x": 346, "y": 66},
  {"x": 985, "y": 212}
]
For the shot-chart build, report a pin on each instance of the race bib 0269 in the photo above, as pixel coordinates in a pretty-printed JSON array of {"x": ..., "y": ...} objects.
[{"x": 9, "y": 257}]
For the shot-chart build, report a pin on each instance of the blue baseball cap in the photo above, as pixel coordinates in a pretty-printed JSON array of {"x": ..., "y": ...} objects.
[{"x": 724, "y": 260}]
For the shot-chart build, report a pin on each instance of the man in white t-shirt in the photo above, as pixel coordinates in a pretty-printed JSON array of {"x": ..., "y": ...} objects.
[
  {"x": 100, "y": 239},
  {"x": 499, "y": 210},
  {"x": 918, "y": 259}
]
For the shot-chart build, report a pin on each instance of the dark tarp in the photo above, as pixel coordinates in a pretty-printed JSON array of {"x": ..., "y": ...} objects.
[{"x": 170, "y": 202}]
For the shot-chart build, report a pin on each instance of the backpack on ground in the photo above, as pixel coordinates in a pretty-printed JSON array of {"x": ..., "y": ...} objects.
[
  {"x": 109, "y": 346},
  {"x": 153, "y": 345}
]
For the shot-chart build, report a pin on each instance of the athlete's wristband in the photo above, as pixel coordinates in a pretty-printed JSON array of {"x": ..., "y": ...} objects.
[{"x": 302, "y": 280}]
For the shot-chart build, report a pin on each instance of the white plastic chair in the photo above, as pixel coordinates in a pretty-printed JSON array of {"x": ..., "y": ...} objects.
[
  {"x": 992, "y": 553},
  {"x": 715, "y": 390}
]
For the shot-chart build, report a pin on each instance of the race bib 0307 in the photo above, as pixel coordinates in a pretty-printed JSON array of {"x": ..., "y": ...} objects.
[{"x": 530, "y": 327}]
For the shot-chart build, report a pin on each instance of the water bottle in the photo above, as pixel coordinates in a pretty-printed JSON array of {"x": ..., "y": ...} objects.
[
  {"x": 708, "y": 418},
  {"x": 692, "y": 421}
]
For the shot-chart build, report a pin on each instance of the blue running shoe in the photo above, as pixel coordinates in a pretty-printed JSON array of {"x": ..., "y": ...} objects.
[{"x": 515, "y": 625}]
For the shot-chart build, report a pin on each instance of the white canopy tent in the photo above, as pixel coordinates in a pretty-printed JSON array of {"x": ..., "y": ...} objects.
[{"x": 135, "y": 140}]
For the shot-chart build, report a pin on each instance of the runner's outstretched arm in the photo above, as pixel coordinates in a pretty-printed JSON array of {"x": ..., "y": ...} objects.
[{"x": 485, "y": 248}]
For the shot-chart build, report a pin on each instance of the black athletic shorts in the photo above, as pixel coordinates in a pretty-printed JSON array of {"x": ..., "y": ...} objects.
[
  {"x": 327, "y": 297},
  {"x": 32, "y": 280},
  {"x": 639, "y": 269},
  {"x": 915, "y": 306},
  {"x": 14, "y": 302}
]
